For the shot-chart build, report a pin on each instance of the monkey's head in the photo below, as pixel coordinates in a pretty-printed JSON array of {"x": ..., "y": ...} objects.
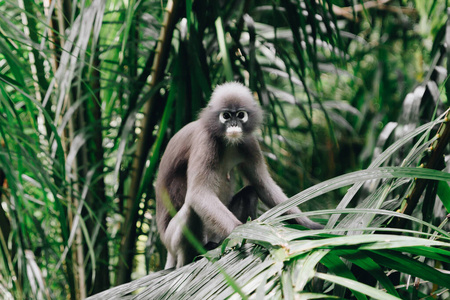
[{"x": 232, "y": 113}]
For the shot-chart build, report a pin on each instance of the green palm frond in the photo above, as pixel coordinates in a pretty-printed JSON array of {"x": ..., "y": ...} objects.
[{"x": 278, "y": 269}]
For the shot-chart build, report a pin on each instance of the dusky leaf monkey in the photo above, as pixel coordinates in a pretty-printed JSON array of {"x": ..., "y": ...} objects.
[{"x": 196, "y": 175}]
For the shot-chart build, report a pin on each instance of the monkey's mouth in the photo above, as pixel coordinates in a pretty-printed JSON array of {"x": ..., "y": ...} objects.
[{"x": 234, "y": 132}]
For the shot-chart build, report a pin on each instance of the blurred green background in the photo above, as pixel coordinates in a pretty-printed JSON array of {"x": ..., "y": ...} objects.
[{"x": 89, "y": 99}]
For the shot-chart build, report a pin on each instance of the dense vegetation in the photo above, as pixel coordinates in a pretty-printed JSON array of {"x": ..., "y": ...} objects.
[{"x": 356, "y": 131}]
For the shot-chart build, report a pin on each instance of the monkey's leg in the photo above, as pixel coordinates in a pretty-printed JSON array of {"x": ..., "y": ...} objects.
[
  {"x": 181, "y": 252},
  {"x": 170, "y": 261},
  {"x": 244, "y": 204}
]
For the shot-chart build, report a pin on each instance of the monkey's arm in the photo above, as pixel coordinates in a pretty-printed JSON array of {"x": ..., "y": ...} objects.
[
  {"x": 203, "y": 185},
  {"x": 215, "y": 216},
  {"x": 255, "y": 170}
]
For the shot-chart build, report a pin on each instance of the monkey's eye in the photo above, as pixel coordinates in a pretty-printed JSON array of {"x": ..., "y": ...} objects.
[
  {"x": 243, "y": 115},
  {"x": 224, "y": 116}
]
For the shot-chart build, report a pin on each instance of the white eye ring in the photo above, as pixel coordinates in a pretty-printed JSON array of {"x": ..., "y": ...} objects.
[
  {"x": 243, "y": 115},
  {"x": 224, "y": 116}
]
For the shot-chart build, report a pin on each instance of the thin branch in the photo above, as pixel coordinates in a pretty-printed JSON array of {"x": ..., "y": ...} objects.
[
  {"x": 350, "y": 12},
  {"x": 128, "y": 241}
]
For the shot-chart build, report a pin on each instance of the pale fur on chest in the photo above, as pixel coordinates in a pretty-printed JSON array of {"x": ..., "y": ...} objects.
[{"x": 226, "y": 169}]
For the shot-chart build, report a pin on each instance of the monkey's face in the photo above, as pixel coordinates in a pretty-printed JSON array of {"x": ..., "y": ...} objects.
[
  {"x": 233, "y": 122},
  {"x": 232, "y": 113}
]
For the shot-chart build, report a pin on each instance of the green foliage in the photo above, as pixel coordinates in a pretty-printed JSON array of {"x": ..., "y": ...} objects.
[{"x": 90, "y": 93}]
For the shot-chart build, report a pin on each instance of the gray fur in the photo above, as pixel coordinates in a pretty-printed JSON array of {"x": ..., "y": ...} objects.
[{"x": 195, "y": 176}]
